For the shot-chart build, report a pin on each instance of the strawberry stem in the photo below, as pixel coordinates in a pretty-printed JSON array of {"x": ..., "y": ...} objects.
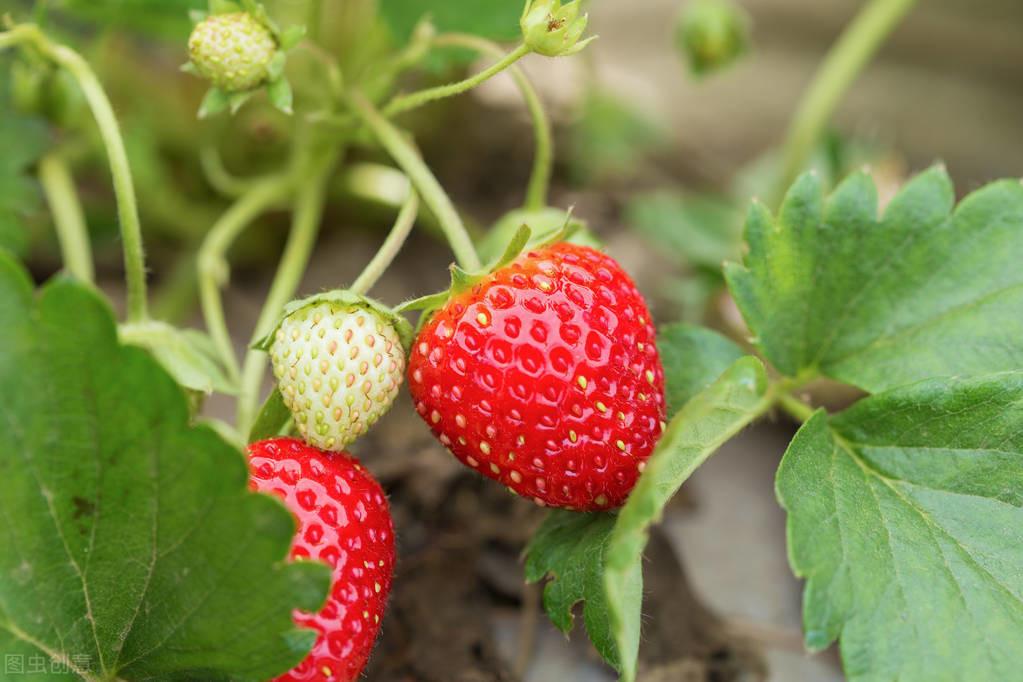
[
  {"x": 389, "y": 249},
  {"x": 68, "y": 217},
  {"x": 413, "y": 100},
  {"x": 795, "y": 407},
  {"x": 213, "y": 266},
  {"x": 844, "y": 61},
  {"x": 433, "y": 195},
  {"x": 110, "y": 132},
  {"x": 308, "y": 213},
  {"x": 540, "y": 176}
]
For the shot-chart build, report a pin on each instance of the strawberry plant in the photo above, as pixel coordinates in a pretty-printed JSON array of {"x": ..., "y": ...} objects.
[{"x": 147, "y": 537}]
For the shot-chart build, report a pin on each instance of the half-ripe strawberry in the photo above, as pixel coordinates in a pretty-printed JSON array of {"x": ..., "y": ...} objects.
[
  {"x": 343, "y": 520},
  {"x": 544, "y": 375},
  {"x": 339, "y": 361}
]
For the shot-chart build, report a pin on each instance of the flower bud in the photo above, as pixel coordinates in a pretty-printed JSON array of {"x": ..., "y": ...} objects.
[
  {"x": 552, "y": 29},
  {"x": 712, "y": 35},
  {"x": 40, "y": 89}
]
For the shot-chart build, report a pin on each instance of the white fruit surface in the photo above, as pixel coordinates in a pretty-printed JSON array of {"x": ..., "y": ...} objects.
[{"x": 338, "y": 367}]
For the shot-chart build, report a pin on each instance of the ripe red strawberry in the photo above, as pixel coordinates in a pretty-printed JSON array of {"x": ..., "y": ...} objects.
[
  {"x": 344, "y": 521},
  {"x": 544, "y": 376}
]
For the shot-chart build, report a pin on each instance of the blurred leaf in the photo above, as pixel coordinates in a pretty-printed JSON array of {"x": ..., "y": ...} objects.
[
  {"x": 22, "y": 141},
  {"x": 569, "y": 548},
  {"x": 699, "y": 230},
  {"x": 494, "y": 19},
  {"x": 543, "y": 224},
  {"x": 610, "y": 139},
  {"x": 692, "y": 293},
  {"x": 188, "y": 355},
  {"x": 832, "y": 159},
  {"x": 161, "y": 18},
  {"x": 131, "y": 546},
  {"x": 693, "y": 358}
]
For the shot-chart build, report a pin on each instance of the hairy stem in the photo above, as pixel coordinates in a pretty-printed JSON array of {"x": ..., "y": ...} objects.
[
  {"x": 219, "y": 177},
  {"x": 309, "y": 205},
  {"x": 68, "y": 217},
  {"x": 389, "y": 249},
  {"x": 795, "y": 407},
  {"x": 844, "y": 61},
  {"x": 110, "y": 132},
  {"x": 404, "y": 103},
  {"x": 432, "y": 194},
  {"x": 213, "y": 267},
  {"x": 543, "y": 158},
  {"x": 313, "y": 16}
]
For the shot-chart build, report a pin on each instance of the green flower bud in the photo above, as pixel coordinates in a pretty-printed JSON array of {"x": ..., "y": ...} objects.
[
  {"x": 552, "y": 29},
  {"x": 40, "y": 89},
  {"x": 712, "y": 34},
  {"x": 233, "y": 51}
]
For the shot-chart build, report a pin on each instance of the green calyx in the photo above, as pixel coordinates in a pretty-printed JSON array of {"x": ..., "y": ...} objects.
[
  {"x": 543, "y": 223},
  {"x": 552, "y": 29},
  {"x": 462, "y": 280},
  {"x": 239, "y": 49},
  {"x": 343, "y": 297}
]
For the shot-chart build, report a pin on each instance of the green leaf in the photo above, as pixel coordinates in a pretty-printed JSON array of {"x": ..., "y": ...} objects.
[
  {"x": 705, "y": 423},
  {"x": 188, "y": 355},
  {"x": 828, "y": 287},
  {"x": 273, "y": 417},
  {"x": 905, "y": 516},
  {"x": 693, "y": 358},
  {"x": 569, "y": 548},
  {"x": 494, "y": 19},
  {"x": 699, "y": 230},
  {"x": 130, "y": 545}
]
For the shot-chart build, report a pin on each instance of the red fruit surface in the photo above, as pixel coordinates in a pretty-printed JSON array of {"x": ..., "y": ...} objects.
[
  {"x": 344, "y": 521},
  {"x": 545, "y": 376}
]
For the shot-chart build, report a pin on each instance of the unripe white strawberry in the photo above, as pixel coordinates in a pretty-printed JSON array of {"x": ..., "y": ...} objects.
[
  {"x": 233, "y": 51},
  {"x": 338, "y": 366}
]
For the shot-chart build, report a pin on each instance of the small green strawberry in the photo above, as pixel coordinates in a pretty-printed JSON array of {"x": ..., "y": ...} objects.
[
  {"x": 339, "y": 359},
  {"x": 239, "y": 53},
  {"x": 233, "y": 51}
]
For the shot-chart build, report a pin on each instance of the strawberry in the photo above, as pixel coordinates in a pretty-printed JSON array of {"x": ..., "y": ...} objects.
[
  {"x": 344, "y": 521},
  {"x": 339, "y": 361},
  {"x": 233, "y": 51},
  {"x": 544, "y": 375}
]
